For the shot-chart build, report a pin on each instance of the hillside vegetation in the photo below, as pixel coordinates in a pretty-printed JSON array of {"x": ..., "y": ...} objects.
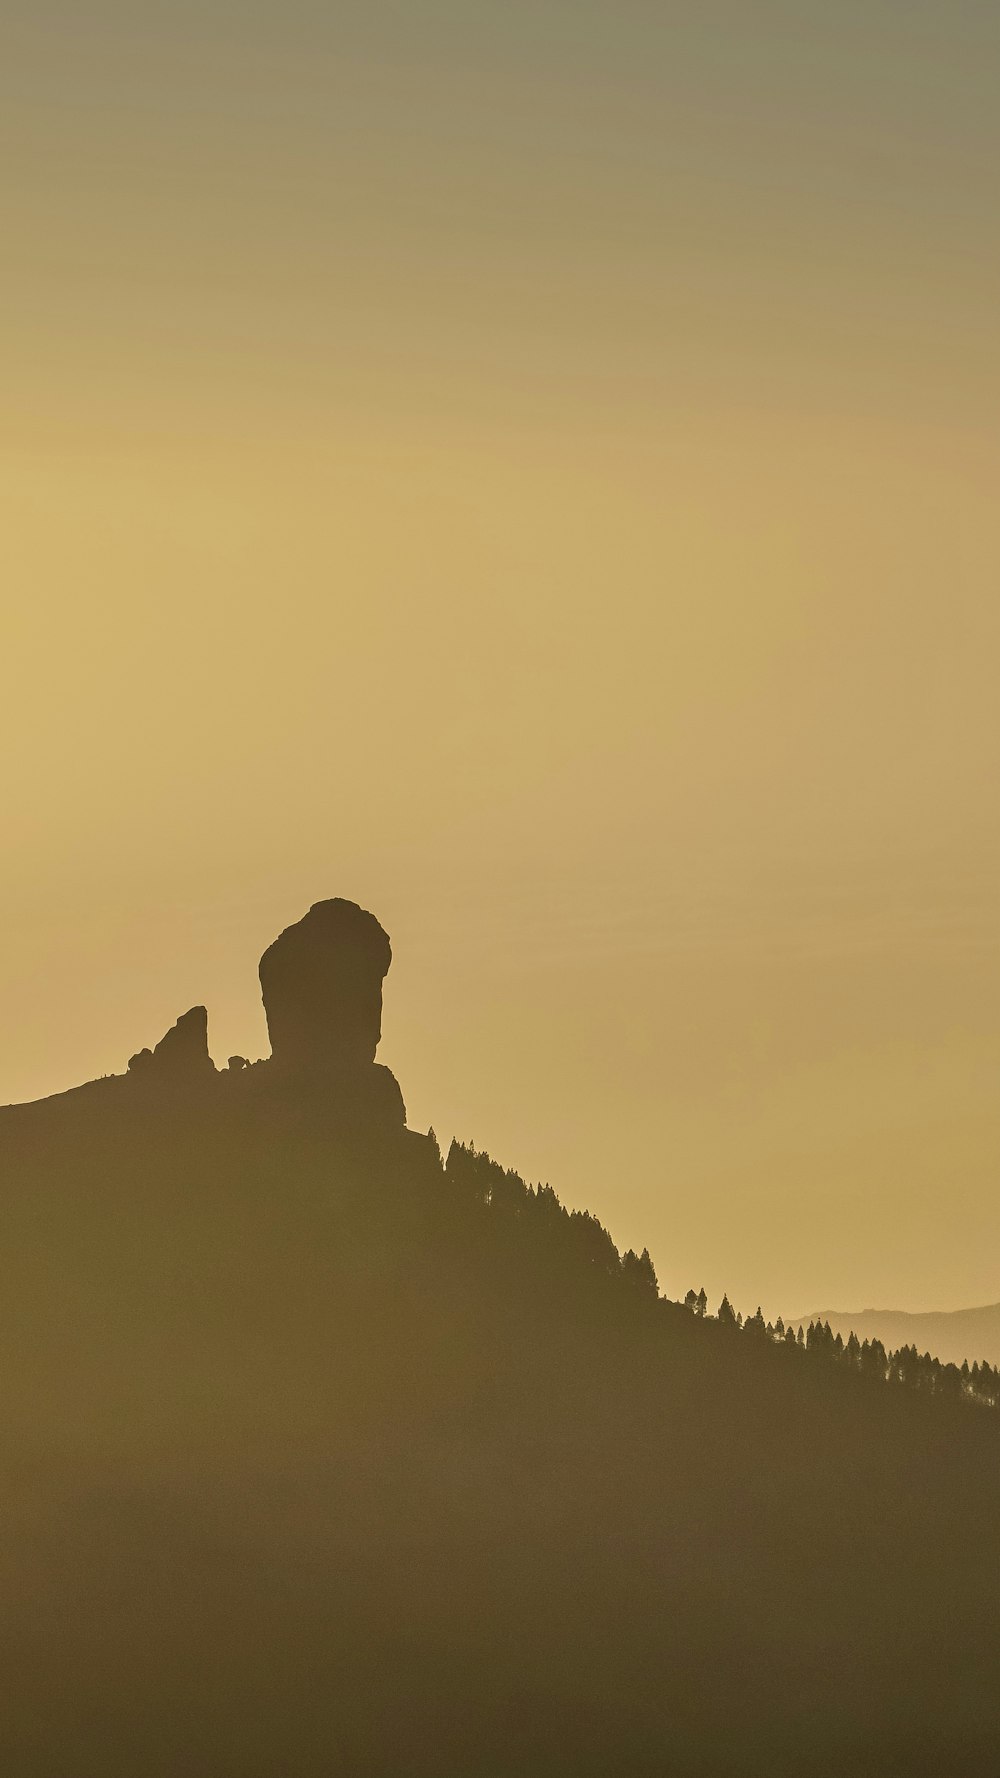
[
  {"x": 324, "y": 1457},
  {"x": 955, "y": 1336}
]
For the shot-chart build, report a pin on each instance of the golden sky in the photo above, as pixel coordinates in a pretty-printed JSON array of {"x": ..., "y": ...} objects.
[{"x": 532, "y": 469}]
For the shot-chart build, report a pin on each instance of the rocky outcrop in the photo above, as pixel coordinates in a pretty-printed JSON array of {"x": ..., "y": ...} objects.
[
  {"x": 321, "y": 981},
  {"x": 182, "y": 1055}
]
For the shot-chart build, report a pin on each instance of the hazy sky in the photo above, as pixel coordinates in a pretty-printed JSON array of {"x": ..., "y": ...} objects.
[{"x": 531, "y": 468}]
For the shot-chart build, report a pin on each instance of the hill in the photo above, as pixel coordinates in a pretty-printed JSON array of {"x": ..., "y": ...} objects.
[
  {"x": 954, "y": 1336},
  {"x": 325, "y": 1456}
]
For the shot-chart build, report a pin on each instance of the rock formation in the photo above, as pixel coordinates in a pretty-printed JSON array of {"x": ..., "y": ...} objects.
[
  {"x": 182, "y": 1055},
  {"x": 321, "y": 981}
]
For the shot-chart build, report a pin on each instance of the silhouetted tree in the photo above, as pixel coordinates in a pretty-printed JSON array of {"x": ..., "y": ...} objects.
[{"x": 638, "y": 1269}]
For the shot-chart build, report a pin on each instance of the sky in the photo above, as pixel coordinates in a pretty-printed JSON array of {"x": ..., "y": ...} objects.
[{"x": 530, "y": 469}]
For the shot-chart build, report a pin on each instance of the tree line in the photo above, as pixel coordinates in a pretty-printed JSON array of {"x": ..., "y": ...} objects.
[
  {"x": 903, "y": 1366},
  {"x": 581, "y": 1240}
]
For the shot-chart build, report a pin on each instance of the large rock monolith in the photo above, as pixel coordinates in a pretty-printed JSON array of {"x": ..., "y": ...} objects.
[{"x": 321, "y": 981}]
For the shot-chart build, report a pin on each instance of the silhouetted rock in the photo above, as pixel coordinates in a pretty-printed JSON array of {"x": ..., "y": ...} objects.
[
  {"x": 182, "y": 1055},
  {"x": 322, "y": 986},
  {"x": 321, "y": 981}
]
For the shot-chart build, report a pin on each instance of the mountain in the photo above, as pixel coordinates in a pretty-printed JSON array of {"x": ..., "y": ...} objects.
[
  {"x": 951, "y": 1335},
  {"x": 326, "y": 1457}
]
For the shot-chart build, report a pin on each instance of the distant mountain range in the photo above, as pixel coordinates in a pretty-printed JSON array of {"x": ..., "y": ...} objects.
[{"x": 951, "y": 1335}]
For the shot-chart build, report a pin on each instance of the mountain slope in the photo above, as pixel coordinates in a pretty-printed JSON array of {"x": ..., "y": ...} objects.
[{"x": 325, "y": 1459}]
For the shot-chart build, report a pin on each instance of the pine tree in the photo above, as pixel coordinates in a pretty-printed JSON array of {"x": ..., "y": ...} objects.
[{"x": 638, "y": 1268}]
